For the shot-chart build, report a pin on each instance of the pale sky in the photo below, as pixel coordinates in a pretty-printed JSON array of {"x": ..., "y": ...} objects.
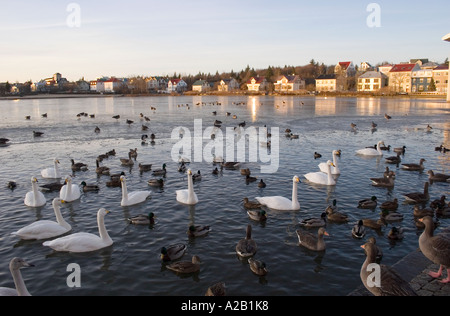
[{"x": 126, "y": 38}]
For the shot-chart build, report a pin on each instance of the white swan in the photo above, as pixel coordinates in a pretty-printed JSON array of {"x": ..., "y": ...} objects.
[
  {"x": 34, "y": 198},
  {"x": 52, "y": 173},
  {"x": 188, "y": 196},
  {"x": 69, "y": 192},
  {"x": 371, "y": 151},
  {"x": 132, "y": 198},
  {"x": 45, "y": 229},
  {"x": 334, "y": 170},
  {"x": 281, "y": 203},
  {"x": 21, "y": 290},
  {"x": 84, "y": 242},
  {"x": 321, "y": 177}
]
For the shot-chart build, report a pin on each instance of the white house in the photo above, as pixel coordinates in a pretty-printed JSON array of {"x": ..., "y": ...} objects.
[
  {"x": 228, "y": 85},
  {"x": 289, "y": 84},
  {"x": 257, "y": 84},
  {"x": 201, "y": 86},
  {"x": 176, "y": 85},
  {"x": 371, "y": 81}
]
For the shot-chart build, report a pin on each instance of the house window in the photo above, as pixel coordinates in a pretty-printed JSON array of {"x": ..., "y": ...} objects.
[
  {"x": 376, "y": 87},
  {"x": 367, "y": 87}
]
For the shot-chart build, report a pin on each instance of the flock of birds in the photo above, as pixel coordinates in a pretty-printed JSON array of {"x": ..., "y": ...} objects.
[{"x": 56, "y": 233}]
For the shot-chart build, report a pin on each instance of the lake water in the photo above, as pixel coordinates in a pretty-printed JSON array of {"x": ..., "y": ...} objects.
[{"x": 131, "y": 266}]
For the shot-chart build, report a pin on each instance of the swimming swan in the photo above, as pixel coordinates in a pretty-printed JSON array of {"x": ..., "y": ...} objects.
[
  {"x": 52, "y": 173},
  {"x": 188, "y": 196},
  {"x": 334, "y": 170},
  {"x": 281, "y": 203},
  {"x": 132, "y": 198},
  {"x": 371, "y": 151},
  {"x": 45, "y": 229},
  {"x": 320, "y": 177},
  {"x": 70, "y": 192},
  {"x": 84, "y": 242},
  {"x": 34, "y": 198},
  {"x": 21, "y": 290}
]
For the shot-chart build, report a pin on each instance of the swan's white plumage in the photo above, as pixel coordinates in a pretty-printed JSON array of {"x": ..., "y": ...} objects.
[
  {"x": 188, "y": 196},
  {"x": 21, "y": 290},
  {"x": 281, "y": 203},
  {"x": 34, "y": 198},
  {"x": 371, "y": 151},
  {"x": 52, "y": 173},
  {"x": 84, "y": 242},
  {"x": 321, "y": 177},
  {"x": 334, "y": 170},
  {"x": 45, "y": 229},
  {"x": 132, "y": 198},
  {"x": 70, "y": 192}
]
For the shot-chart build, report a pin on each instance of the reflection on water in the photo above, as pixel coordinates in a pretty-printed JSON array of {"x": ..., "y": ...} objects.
[{"x": 132, "y": 264}]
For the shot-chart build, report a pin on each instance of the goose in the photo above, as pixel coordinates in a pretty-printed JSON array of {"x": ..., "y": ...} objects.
[
  {"x": 315, "y": 222},
  {"x": 133, "y": 153},
  {"x": 251, "y": 204},
  {"x": 414, "y": 166},
  {"x": 217, "y": 289},
  {"x": 132, "y": 198},
  {"x": 185, "y": 267},
  {"x": 160, "y": 172},
  {"x": 371, "y": 151},
  {"x": 45, "y": 229},
  {"x": 386, "y": 182},
  {"x": 359, "y": 230},
  {"x": 52, "y": 173},
  {"x": 311, "y": 241},
  {"x": 394, "y": 159},
  {"x": 396, "y": 233},
  {"x": 34, "y": 198},
  {"x": 246, "y": 247},
  {"x": 418, "y": 197},
  {"x": 378, "y": 250},
  {"x": 89, "y": 187},
  {"x": 173, "y": 252},
  {"x": 79, "y": 166},
  {"x": 14, "y": 267},
  {"x": 257, "y": 215},
  {"x": 69, "y": 192},
  {"x": 156, "y": 183},
  {"x": 143, "y": 219},
  {"x": 84, "y": 242},
  {"x": 188, "y": 197},
  {"x": 390, "y": 206},
  {"x": 145, "y": 167},
  {"x": 281, "y": 203},
  {"x": 400, "y": 150},
  {"x": 198, "y": 230},
  {"x": 127, "y": 162},
  {"x": 390, "y": 283},
  {"x": 368, "y": 203},
  {"x": 436, "y": 248},
  {"x": 438, "y": 177},
  {"x": 101, "y": 170},
  {"x": 320, "y": 177},
  {"x": 334, "y": 170},
  {"x": 258, "y": 267},
  {"x": 51, "y": 187}
]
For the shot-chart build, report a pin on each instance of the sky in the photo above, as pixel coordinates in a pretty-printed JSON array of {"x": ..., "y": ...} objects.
[{"x": 98, "y": 38}]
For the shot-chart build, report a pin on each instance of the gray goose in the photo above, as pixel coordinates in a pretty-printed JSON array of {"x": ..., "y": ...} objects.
[
  {"x": 436, "y": 248},
  {"x": 414, "y": 166},
  {"x": 438, "y": 177},
  {"x": 391, "y": 284},
  {"x": 311, "y": 241},
  {"x": 246, "y": 247},
  {"x": 418, "y": 197}
]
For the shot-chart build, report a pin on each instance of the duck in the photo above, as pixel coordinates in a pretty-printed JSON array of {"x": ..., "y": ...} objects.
[
  {"x": 249, "y": 179},
  {"x": 438, "y": 177},
  {"x": 438, "y": 203},
  {"x": 133, "y": 153},
  {"x": 394, "y": 159},
  {"x": 156, "y": 183},
  {"x": 37, "y": 134},
  {"x": 396, "y": 233},
  {"x": 390, "y": 283},
  {"x": 414, "y": 166},
  {"x": 187, "y": 196},
  {"x": 359, "y": 230},
  {"x": 160, "y": 172},
  {"x": 322, "y": 178},
  {"x": 84, "y": 242},
  {"x": 258, "y": 267},
  {"x": 387, "y": 117},
  {"x": 314, "y": 222},
  {"x": 97, "y": 129},
  {"x": 334, "y": 216},
  {"x": 391, "y": 216},
  {"x": 52, "y": 173},
  {"x": 389, "y": 206},
  {"x": 231, "y": 165},
  {"x": 101, "y": 170},
  {"x": 4, "y": 141},
  {"x": 186, "y": 267},
  {"x": 386, "y": 148},
  {"x": 145, "y": 167},
  {"x": 89, "y": 187},
  {"x": 20, "y": 288},
  {"x": 127, "y": 162},
  {"x": 443, "y": 211},
  {"x": 371, "y": 151},
  {"x": 389, "y": 173},
  {"x": 245, "y": 172},
  {"x": 400, "y": 150},
  {"x": 116, "y": 117},
  {"x": 317, "y": 155},
  {"x": 374, "y": 224},
  {"x": 257, "y": 215},
  {"x": 218, "y": 159},
  {"x": 34, "y": 198},
  {"x": 251, "y": 204},
  {"x": 314, "y": 242},
  {"x": 262, "y": 184},
  {"x": 334, "y": 170},
  {"x": 197, "y": 176},
  {"x": 246, "y": 247},
  {"x": 217, "y": 289},
  {"x": 281, "y": 203},
  {"x": 51, "y": 187},
  {"x": 215, "y": 171},
  {"x": 142, "y": 219},
  {"x": 422, "y": 212},
  {"x": 368, "y": 203},
  {"x": 436, "y": 248},
  {"x": 374, "y": 125},
  {"x": 132, "y": 198},
  {"x": 11, "y": 185},
  {"x": 385, "y": 182},
  {"x": 198, "y": 230},
  {"x": 418, "y": 197},
  {"x": 79, "y": 166},
  {"x": 173, "y": 252},
  {"x": 115, "y": 180}
]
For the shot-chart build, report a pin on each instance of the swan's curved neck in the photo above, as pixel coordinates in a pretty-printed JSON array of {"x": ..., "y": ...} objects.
[
  {"x": 69, "y": 188},
  {"x": 57, "y": 174},
  {"x": 190, "y": 189},
  {"x": 335, "y": 160},
  {"x": 295, "y": 204},
  {"x": 124, "y": 191},
  {"x": 20, "y": 284},
  {"x": 330, "y": 178},
  {"x": 379, "y": 148},
  {"x": 59, "y": 217},
  {"x": 102, "y": 229},
  {"x": 35, "y": 190}
]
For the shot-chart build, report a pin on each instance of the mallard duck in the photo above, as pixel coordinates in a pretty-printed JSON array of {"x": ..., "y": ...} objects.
[
  {"x": 145, "y": 167},
  {"x": 173, "y": 252},
  {"x": 436, "y": 248},
  {"x": 186, "y": 267},
  {"x": 258, "y": 267},
  {"x": 386, "y": 148},
  {"x": 261, "y": 184},
  {"x": 389, "y": 205},
  {"x": 394, "y": 159},
  {"x": 396, "y": 233},
  {"x": 368, "y": 203},
  {"x": 245, "y": 172},
  {"x": 79, "y": 166},
  {"x": 414, "y": 166},
  {"x": 143, "y": 219},
  {"x": 101, "y": 169},
  {"x": 160, "y": 172},
  {"x": 156, "y": 182},
  {"x": 230, "y": 165},
  {"x": 317, "y": 155},
  {"x": 251, "y": 204},
  {"x": 250, "y": 179},
  {"x": 418, "y": 197},
  {"x": 358, "y": 230},
  {"x": 259, "y": 216},
  {"x": 438, "y": 177},
  {"x": 89, "y": 187},
  {"x": 215, "y": 171},
  {"x": 197, "y": 176},
  {"x": 311, "y": 241},
  {"x": 217, "y": 289},
  {"x": 182, "y": 167},
  {"x": 391, "y": 216},
  {"x": 438, "y": 203},
  {"x": 400, "y": 150},
  {"x": 198, "y": 230},
  {"x": 334, "y": 216},
  {"x": 374, "y": 224},
  {"x": 52, "y": 187},
  {"x": 246, "y": 247},
  {"x": 314, "y": 221},
  {"x": 443, "y": 211},
  {"x": 421, "y": 212}
]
